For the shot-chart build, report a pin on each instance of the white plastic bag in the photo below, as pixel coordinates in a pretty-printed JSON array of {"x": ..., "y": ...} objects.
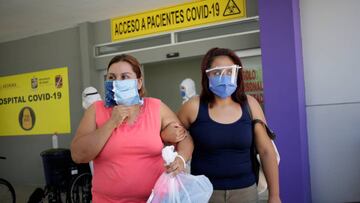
[{"x": 182, "y": 188}]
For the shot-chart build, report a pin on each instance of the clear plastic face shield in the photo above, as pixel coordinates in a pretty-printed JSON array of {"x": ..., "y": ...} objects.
[{"x": 221, "y": 72}]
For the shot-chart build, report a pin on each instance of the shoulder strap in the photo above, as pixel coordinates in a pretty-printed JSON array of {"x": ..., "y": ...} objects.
[
  {"x": 270, "y": 133},
  {"x": 254, "y": 160},
  {"x": 203, "y": 114},
  {"x": 248, "y": 109}
]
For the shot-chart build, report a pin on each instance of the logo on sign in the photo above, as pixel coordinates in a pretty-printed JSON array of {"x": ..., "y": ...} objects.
[
  {"x": 27, "y": 118},
  {"x": 34, "y": 83},
  {"x": 58, "y": 81},
  {"x": 231, "y": 9}
]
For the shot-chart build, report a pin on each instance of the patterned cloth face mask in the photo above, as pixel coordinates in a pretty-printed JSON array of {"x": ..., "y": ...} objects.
[
  {"x": 223, "y": 80},
  {"x": 122, "y": 92}
]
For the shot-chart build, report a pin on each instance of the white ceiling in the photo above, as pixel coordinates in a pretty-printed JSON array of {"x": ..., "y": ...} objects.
[{"x": 23, "y": 18}]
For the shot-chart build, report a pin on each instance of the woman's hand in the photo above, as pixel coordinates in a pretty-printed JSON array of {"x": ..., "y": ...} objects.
[
  {"x": 275, "y": 199},
  {"x": 120, "y": 113},
  {"x": 177, "y": 166},
  {"x": 173, "y": 133}
]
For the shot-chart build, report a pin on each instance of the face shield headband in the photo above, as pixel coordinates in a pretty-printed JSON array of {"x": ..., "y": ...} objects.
[{"x": 221, "y": 71}]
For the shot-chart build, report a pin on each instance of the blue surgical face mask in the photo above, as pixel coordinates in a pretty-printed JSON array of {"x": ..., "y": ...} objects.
[
  {"x": 122, "y": 92},
  {"x": 222, "y": 86}
]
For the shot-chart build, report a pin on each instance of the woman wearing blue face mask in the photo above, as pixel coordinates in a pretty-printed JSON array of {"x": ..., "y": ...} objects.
[
  {"x": 122, "y": 135},
  {"x": 220, "y": 126}
]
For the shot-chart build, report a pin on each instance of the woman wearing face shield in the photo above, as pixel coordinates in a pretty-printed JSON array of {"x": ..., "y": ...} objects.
[
  {"x": 220, "y": 126},
  {"x": 122, "y": 136}
]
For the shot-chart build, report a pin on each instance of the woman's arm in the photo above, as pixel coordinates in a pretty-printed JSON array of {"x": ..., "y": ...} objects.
[
  {"x": 266, "y": 151},
  {"x": 175, "y": 131},
  {"x": 184, "y": 148},
  {"x": 188, "y": 111},
  {"x": 89, "y": 140}
]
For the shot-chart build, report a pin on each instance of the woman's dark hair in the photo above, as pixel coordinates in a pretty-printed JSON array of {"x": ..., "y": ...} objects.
[
  {"x": 135, "y": 67},
  {"x": 206, "y": 95}
]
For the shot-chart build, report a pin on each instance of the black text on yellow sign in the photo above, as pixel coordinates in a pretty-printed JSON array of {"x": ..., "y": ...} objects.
[
  {"x": 176, "y": 17},
  {"x": 43, "y": 97},
  {"x": 35, "y": 103}
]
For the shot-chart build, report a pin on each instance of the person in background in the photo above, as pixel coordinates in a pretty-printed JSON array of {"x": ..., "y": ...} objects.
[
  {"x": 221, "y": 128},
  {"x": 122, "y": 135},
  {"x": 89, "y": 96},
  {"x": 187, "y": 89}
]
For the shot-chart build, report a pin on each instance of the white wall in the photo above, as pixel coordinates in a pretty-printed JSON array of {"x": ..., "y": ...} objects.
[{"x": 331, "y": 51}]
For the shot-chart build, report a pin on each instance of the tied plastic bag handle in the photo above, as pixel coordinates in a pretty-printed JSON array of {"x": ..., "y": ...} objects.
[{"x": 169, "y": 154}]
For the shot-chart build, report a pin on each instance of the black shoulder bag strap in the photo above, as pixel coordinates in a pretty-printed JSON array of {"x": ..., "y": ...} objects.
[{"x": 270, "y": 133}]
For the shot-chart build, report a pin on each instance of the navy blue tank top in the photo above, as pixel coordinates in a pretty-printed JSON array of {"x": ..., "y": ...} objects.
[{"x": 222, "y": 151}]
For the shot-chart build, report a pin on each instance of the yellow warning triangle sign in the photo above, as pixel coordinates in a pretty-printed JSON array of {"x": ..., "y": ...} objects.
[{"x": 231, "y": 9}]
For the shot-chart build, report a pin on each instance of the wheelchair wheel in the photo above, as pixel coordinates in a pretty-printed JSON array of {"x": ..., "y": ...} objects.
[
  {"x": 7, "y": 192},
  {"x": 53, "y": 194},
  {"x": 80, "y": 190}
]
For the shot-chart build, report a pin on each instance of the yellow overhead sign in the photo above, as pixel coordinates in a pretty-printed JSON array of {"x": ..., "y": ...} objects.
[
  {"x": 35, "y": 103},
  {"x": 176, "y": 17}
]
